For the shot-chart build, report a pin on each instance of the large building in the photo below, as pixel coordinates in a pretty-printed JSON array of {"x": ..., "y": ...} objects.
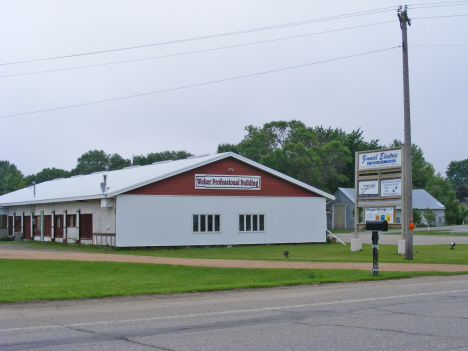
[
  {"x": 340, "y": 212},
  {"x": 222, "y": 199}
]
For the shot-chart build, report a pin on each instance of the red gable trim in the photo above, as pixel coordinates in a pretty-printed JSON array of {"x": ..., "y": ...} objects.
[{"x": 184, "y": 184}]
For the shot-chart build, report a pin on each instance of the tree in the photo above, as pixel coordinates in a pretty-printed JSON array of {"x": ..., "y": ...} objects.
[
  {"x": 318, "y": 157},
  {"x": 462, "y": 192},
  {"x": 90, "y": 162},
  {"x": 422, "y": 170},
  {"x": 416, "y": 216},
  {"x": 117, "y": 162},
  {"x": 11, "y": 178},
  {"x": 47, "y": 174},
  {"x": 13, "y": 182},
  {"x": 457, "y": 173},
  {"x": 429, "y": 216},
  {"x": 160, "y": 156}
]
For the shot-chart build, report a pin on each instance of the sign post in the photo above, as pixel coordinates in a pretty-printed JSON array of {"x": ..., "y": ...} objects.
[{"x": 378, "y": 189}]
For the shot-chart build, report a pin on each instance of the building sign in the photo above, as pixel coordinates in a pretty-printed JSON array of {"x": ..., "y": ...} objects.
[
  {"x": 368, "y": 188},
  {"x": 208, "y": 181},
  {"x": 380, "y": 159},
  {"x": 390, "y": 187},
  {"x": 379, "y": 214}
]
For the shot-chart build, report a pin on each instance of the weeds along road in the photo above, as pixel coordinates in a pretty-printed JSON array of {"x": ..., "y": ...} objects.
[{"x": 429, "y": 313}]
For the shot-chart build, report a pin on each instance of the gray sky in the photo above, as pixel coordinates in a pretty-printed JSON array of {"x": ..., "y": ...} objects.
[{"x": 360, "y": 92}]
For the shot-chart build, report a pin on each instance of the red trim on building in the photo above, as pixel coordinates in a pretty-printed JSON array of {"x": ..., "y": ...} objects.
[{"x": 184, "y": 184}]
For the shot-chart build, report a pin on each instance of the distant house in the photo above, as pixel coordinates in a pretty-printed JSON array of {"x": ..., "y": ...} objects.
[{"x": 340, "y": 212}]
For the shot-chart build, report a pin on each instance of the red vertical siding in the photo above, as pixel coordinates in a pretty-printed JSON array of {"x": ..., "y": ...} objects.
[
  {"x": 27, "y": 227},
  {"x": 184, "y": 184}
]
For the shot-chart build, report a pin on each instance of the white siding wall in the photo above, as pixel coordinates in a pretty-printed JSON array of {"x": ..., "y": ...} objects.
[{"x": 145, "y": 220}]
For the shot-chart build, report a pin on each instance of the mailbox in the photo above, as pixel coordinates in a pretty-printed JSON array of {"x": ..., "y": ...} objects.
[{"x": 377, "y": 225}]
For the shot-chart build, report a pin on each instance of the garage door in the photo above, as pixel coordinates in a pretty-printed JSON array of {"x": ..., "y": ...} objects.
[{"x": 339, "y": 217}]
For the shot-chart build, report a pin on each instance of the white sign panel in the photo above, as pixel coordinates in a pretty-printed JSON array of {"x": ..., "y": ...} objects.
[
  {"x": 207, "y": 181},
  {"x": 390, "y": 187},
  {"x": 380, "y": 159},
  {"x": 368, "y": 188},
  {"x": 379, "y": 214}
]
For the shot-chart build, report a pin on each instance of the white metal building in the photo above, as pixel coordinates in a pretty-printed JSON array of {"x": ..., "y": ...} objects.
[{"x": 222, "y": 199}]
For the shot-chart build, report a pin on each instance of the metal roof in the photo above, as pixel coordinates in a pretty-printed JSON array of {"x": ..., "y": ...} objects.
[
  {"x": 87, "y": 187},
  {"x": 421, "y": 199}
]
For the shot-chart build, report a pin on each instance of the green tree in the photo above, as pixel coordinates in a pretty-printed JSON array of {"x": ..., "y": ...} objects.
[
  {"x": 90, "y": 162},
  {"x": 47, "y": 174},
  {"x": 160, "y": 156},
  {"x": 318, "y": 157},
  {"x": 13, "y": 182},
  {"x": 422, "y": 170},
  {"x": 429, "y": 216},
  {"x": 10, "y": 178},
  {"x": 462, "y": 192},
  {"x": 117, "y": 162},
  {"x": 416, "y": 217},
  {"x": 457, "y": 173}
]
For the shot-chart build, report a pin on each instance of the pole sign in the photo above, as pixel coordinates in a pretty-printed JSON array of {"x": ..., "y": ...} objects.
[
  {"x": 207, "y": 181},
  {"x": 368, "y": 188},
  {"x": 380, "y": 159},
  {"x": 379, "y": 214},
  {"x": 390, "y": 187}
]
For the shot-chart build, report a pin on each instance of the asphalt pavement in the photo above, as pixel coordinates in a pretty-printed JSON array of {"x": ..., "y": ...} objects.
[
  {"x": 427, "y": 313},
  {"x": 391, "y": 238}
]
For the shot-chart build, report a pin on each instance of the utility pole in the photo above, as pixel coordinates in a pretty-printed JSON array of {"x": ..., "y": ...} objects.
[{"x": 407, "y": 208}]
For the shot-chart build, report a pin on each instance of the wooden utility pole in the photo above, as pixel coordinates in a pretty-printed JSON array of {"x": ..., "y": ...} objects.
[{"x": 407, "y": 208}]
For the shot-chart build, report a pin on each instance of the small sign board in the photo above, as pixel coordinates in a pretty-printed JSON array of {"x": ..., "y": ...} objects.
[
  {"x": 379, "y": 214},
  {"x": 368, "y": 188},
  {"x": 390, "y": 187},
  {"x": 208, "y": 181},
  {"x": 380, "y": 159}
]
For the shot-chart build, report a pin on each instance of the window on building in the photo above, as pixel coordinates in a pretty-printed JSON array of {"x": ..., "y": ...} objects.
[
  {"x": 206, "y": 223},
  {"x": 251, "y": 223},
  {"x": 71, "y": 220}
]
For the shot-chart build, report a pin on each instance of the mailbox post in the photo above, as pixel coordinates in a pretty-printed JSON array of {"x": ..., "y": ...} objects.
[{"x": 376, "y": 226}]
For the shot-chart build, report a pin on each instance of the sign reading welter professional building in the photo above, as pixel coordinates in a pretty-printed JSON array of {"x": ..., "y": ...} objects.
[
  {"x": 208, "y": 181},
  {"x": 368, "y": 188},
  {"x": 380, "y": 159}
]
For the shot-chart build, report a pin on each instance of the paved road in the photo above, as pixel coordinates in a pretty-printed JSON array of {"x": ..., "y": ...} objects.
[
  {"x": 429, "y": 313},
  {"x": 392, "y": 239}
]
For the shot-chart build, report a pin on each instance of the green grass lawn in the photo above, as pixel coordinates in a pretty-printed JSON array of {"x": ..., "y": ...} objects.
[
  {"x": 336, "y": 252},
  {"x": 24, "y": 280}
]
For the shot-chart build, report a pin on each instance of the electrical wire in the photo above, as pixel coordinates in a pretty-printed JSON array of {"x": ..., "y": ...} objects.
[
  {"x": 324, "y": 19},
  {"x": 199, "y": 84},
  {"x": 196, "y": 51}
]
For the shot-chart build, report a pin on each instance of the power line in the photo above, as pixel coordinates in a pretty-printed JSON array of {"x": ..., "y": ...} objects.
[
  {"x": 442, "y": 45},
  {"x": 196, "y": 51},
  {"x": 463, "y": 15},
  {"x": 440, "y": 4},
  {"x": 200, "y": 84},
  {"x": 324, "y": 19}
]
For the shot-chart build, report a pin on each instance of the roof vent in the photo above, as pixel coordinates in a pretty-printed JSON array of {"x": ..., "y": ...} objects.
[
  {"x": 198, "y": 156},
  {"x": 132, "y": 167},
  {"x": 159, "y": 162}
]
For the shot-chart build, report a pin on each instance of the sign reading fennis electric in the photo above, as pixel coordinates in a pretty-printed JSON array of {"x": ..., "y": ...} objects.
[
  {"x": 380, "y": 159},
  {"x": 208, "y": 181}
]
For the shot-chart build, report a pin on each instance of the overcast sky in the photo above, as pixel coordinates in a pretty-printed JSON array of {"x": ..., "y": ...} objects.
[{"x": 364, "y": 91}]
